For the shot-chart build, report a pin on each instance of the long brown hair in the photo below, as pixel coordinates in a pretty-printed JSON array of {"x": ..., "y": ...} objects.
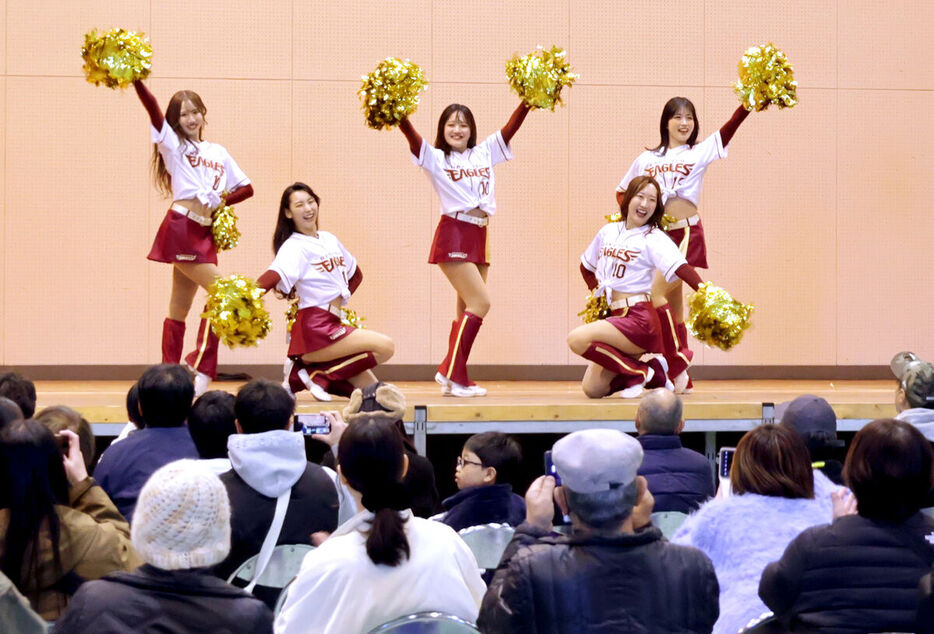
[
  {"x": 635, "y": 186},
  {"x": 285, "y": 226},
  {"x": 672, "y": 106},
  {"x": 440, "y": 142},
  {"x": 772, "y": 460},
  {"x": 160, "y": 175}
]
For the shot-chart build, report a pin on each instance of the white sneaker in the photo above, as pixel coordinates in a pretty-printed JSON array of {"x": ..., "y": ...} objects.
[
  {"x": 635, "y": 391},
  {"x": 464, "y": 391},
  {"x": 202, "y": 383},
  {"x": 444, "y": 382},
  {"x": 681, "y": 383},
  {"x": 286, "y": 372},
  {"x": 316, "y": 390}
]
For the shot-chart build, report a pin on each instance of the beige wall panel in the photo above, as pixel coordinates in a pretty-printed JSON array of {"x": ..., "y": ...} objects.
[
  {"x": 218, "y": 38},
  {"x": 631, "y": 43},
  {"x": 471, "y": 41},
  {"x": 884, "y": 236},
  {"x": 528, "y": 275},
  {"x": 3, "y": 23},
  {"x": 885, "y": 45},
  {"x": 4, "y": 219},
  {"x": 806, "y": 31},
  {"x": 768, "y": 212},
  {"x": 346, "y": 40},
  {"x": 376, "y": 202},
  {"x": 252, "y": 119},
  {"x": 610, "y": 126},
  {"x": 58, "y": 28},
  {"x": 75, "y": 282}
]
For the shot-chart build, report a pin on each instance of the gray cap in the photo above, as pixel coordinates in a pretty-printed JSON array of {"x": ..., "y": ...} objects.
[
  {"x": 917, "y": 378},
  {"x": 597, "y": 460}
]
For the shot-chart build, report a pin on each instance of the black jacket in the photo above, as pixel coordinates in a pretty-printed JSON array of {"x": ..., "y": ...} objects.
[
  {"x": 150, "y": 599},
  {"x": 855, "y": 575},
  {"x": 484, "y": 505},
  {"x": 313, "y": 507},
  {"x": 680, "y": 479},
  {"x": 630, "y": 583}
]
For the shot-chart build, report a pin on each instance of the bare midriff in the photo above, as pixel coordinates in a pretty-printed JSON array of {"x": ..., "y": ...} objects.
[
  {"x": 680, "y": 208},
  {"x": 617, "y": 295},
  {"x": 476, "y": 211}
]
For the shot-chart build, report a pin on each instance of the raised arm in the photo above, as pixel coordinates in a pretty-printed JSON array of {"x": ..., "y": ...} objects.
[
  {"x": 150, "y": 103},
  {"x": 729, "y": 128},
  {"x": 355, "y": 280},
  {"x": 240, "y": 194},
  {"x": 413, "y": 137},
  {"x": 689, "y": 274},
  {"x": 515, "y": 122},
  {"x": 589, "y": 277}
]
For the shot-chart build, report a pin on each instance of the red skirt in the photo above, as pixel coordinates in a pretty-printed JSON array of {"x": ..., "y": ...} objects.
[
  {"x": 316, "y": 328},
  {"x": 691, "y": 242},
  {"x": 458, "y": 241},
  {"x": 181, "y": 239},
  {"x": 641, "y": 326}
]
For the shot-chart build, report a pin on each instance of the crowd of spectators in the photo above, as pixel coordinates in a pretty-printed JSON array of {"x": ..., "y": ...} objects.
[{"x": 812, "y": 533}]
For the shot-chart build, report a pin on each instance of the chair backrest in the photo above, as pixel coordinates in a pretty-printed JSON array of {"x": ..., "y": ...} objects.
[
  {"x": 668, "y": 521},
  {"x": 282, "y": 597},
  {"x": 487, "y": 542},
  {"x": 282, "y": 568},
  {"x": 427, "y": 623}
]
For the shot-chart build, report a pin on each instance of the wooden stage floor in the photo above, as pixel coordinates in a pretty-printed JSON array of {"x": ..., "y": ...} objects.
[{"x": 537, "y": 406}]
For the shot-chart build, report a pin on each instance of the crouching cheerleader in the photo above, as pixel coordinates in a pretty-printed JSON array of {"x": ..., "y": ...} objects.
[
  {"x": 325, "y": 356},
  {"x": 625, "y": 350}
]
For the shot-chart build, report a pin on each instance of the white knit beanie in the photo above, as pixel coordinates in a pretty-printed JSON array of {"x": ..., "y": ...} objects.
[{"x": 182, "y": 518}]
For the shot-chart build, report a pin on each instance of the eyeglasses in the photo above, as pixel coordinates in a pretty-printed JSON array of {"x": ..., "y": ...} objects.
[{"x": 461, "y": 462}]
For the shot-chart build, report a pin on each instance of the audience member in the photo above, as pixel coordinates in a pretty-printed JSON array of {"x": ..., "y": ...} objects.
[
  {"x": 9, "y": 412},
  {"x": 59, "y": 417},
  {"x": 182, "y": 527},
  {"x": 269, "y": 468},
  {"x": 20, "y": 390},
  {"x": 914, "y": 396},
  {"x": 134, "y": 419},
  {"x": 16, "y": 615},
  {"x": 485, "y": 469},
  {"x": 386, "y": 401},
  {"x": 816, "y": 422},
  {"x": 773, "y": 499},
  {"x": 165, "y": 393},
  {"x": 385, "y": 562},
  {"x": 211, "y": 422},
  {"x": 615, "y": 572},
  {"x": 57, "y": 527},
  {"x": 680, "y": 479},
  {"x": 861, "y": 573}
]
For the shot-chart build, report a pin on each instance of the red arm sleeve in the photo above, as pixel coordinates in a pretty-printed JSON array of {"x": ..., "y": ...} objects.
[
  {"x": 589, "y": 278},
  {"x": 355, "y": 280},
  {"x": 729, "y": 128},
  {"x": 689, "y": 274},
  {"x": 414, "y": 138},
  {"x": 515, "y": 122},
  {"x": 150, "y": 103},
  {"x": 268, "y": 280},
  {"x": 239, "y": 195}
]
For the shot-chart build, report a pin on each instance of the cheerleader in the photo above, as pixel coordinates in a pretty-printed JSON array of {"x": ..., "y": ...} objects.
[
  {"x": 625, "y": 349},
  {"x": 196, "y": 174},
  {"x": 325, "y": 356},
  {"x": 462, "y": 174},
  {"x": 678, "y": 164}
]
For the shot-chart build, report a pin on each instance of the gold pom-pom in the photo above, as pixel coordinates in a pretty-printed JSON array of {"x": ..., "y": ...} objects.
[
  {"x": 352, "y": 319},
  {"x": 539, "y": 76},
  {"x": 595, "y": 309},
  {"x": 224, "y": 228},
  {"x": 766, "y": 77},
  {"x": 391, "y": 92},
  {"x": 716, "y": 318},
  {"x": 615, "y": 217},
  {"x": 236, "y": 311},
  {"x": 291, "y": 314},
  {"x": 116, "y": 58}
]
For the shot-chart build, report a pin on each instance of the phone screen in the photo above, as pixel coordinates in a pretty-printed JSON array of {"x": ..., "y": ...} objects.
[
  {"x": 311, "y": 424},
  {"x": 550, "y": 468},
  {"x": 726, "y": 460}
]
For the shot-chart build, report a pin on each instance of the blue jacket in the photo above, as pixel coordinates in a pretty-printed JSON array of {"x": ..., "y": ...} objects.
[
  {"x": 484, "y": 505},
  {"x": 125, "y": 466},
  {"x": 680, "y": 479}
]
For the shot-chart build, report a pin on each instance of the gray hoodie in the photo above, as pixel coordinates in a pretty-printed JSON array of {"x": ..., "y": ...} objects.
[{"x": 921, "y": 418}]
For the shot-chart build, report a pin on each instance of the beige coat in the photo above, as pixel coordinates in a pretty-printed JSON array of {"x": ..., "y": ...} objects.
[{"x": 94, "y": 541}]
